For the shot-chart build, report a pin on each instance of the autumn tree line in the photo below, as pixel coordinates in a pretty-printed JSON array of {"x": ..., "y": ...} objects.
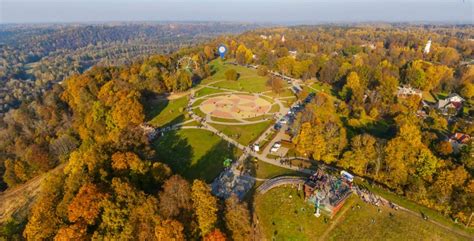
[
  {"x": 35, "y": 57},
  {"x": 110, "y": 184}
]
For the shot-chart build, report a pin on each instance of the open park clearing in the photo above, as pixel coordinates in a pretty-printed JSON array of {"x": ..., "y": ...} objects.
[
  {"x": 284, "y": 215},
  {"x": 235, "y": 106},
  {"x": 194, "y": 153},
  {"x": 219, "y": 119}
]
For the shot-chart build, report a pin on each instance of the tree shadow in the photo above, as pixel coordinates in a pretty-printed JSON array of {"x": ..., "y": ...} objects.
[
  {"x": 209, "y": 166},
  {"x": 177, "y": 120},
  {"x": 174, "y": 151},
  {"x": 196, "y": 79},
  {"x": 379, "y": 129},
  {"x": 153, "y": 104}
]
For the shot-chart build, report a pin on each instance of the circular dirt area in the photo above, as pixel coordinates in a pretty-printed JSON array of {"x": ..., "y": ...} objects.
[{"x": 235, "y": 106}]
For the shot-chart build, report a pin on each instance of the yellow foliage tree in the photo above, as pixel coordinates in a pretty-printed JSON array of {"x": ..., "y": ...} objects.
[{"x": 205, "y": 206}]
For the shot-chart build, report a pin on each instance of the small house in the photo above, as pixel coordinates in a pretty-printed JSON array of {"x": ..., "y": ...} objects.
[
  {"x": 452, "y": 104},
  {"x": 458, "y": 140},
  {"x": 407, "y": 91}
]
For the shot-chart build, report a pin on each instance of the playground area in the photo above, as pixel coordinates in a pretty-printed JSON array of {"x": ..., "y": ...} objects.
[
  {"x": 235, "y": 106},
  {"x": 326, "y": 192}
]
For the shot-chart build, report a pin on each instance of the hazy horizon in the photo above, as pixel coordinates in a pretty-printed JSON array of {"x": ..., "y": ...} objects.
[{"x": 260, "y": 11}]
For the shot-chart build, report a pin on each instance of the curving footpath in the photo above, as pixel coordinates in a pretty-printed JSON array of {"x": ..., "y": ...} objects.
[{"x": 279, "y": 181}]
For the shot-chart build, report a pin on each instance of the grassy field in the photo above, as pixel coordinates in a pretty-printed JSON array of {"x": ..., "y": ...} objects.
[
  {"x": 433, "y": 214},
  {"x": 223, "y": 119},
  {"x": 284, "y": 93},
  {"x": 267, "y": 171},
  {"x": 275, "y": 108},
  {"x": 199, "y": 112},
  {"x": 244, "y": 134},
  {"x": 288, "y": 102},
  {"x": 283, "y": 215},
  {"x": 207, "y": 91},
  {"x": 164, "y": 112},
  {"x": 323, "y": 87},
  {"x": 258, "y": 118},
  {"x": 248, "y": 81},
  {"x": 194, "y": 153},
  {"x": 428, "y": 96}
]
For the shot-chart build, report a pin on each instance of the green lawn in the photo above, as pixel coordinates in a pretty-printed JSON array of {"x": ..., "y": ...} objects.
[
  {"x": 402, "y": 226},
  {"x": 267, "y": 171},
  {"x": 322, "y": 87},
  {"x": 192, "y": 123},
  {"x": 248, "y": 81},
  {"x": 433, "y": 214},
  {"x": 164, "y": 112},
  {"x": 428, "y": 96},
  {"x": 244, "y": 134},
  {"x": 199, "y": 112},
  {"x": 194, "y": 153},
  {"x": 198, "y": 102},
  {"x": 258, "y": 118},
  {"x": 224, "y": 120},
  {"x": 283, "y": 215},
  {"x": 275, "y": 108},
  {"x": 207, "y": 91},
  {"x": 284, "y": 93},
  {"x": 288, "y": 102}
]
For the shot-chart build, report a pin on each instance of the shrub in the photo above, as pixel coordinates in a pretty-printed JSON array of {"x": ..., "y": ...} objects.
[
  {"x": 231, "y": 74},
  {"x": 262, "y": 70}
]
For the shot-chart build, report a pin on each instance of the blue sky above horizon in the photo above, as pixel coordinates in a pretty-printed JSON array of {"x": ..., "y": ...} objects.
[{"x": 274, "y": 11}]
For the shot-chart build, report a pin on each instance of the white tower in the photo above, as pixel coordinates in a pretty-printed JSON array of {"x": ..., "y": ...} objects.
[
  {"x": 427, "y": 47},
  {"x": 283, "y": 38}
]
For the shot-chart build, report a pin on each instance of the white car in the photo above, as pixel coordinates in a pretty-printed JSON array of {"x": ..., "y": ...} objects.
[
  {"x": 274, "y": 149},
  {"x": 277, "y": 145},
  {"x": 283, "y": 121}
]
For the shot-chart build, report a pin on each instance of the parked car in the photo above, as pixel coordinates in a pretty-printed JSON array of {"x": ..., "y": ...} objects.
[
  {"x": 274, "y": 149},
  {"x": 277, "y": 126}
]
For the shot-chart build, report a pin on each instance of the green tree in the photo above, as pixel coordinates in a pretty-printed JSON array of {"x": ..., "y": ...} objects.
[
  {"x": 415, "y": 75},
  {"x": 231, "y": 74}
]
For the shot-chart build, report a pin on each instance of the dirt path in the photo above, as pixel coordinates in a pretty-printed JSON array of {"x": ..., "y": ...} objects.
[
  {"x": 337, "y": 220},
  {"x": 16, "y": 202}
]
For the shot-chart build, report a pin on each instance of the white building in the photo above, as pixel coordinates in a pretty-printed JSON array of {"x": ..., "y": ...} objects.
[
  {"x": 293, "y": 53},
  {"x": 427, "y": 47},
  {"x": 406, "y": 91}
]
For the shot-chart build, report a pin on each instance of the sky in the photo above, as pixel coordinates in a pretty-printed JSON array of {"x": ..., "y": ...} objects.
[{"x": 260, "y": 11}]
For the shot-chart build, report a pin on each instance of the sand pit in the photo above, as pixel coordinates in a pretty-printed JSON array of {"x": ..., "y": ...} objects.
[{"x": 235, "y": 106}]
